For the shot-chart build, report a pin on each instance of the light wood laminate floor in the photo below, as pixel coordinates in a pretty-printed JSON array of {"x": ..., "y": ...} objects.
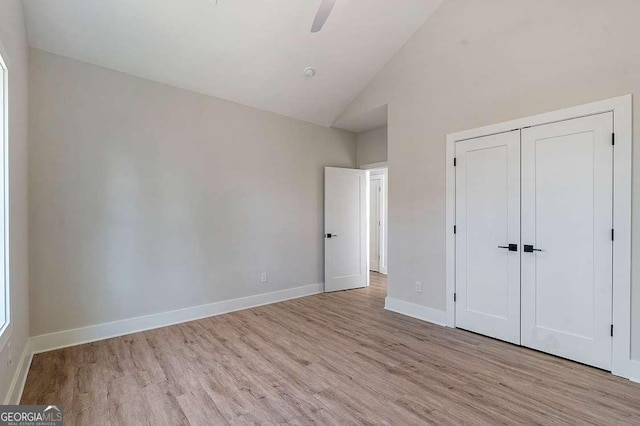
[{"x": 328, "y": 359}]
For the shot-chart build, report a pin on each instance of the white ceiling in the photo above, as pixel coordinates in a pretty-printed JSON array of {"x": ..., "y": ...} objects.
[{"x": 248, "y": 51}]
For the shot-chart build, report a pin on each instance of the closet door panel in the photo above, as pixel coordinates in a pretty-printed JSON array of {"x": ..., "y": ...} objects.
[
  {"x": 567, "y": 179},
  {"x": 487, "y": 221}
]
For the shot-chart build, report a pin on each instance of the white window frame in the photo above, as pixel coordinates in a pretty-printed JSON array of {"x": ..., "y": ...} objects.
[
  {"x": 5, "y": 288},
  {"x": 622, "y": 107}
]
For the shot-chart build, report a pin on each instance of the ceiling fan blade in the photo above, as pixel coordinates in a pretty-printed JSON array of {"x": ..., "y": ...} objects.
[{"x": 323, "y": 13}]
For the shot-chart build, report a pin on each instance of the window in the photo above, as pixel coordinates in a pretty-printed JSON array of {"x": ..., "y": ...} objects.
[{"x": 4, "y": 131}]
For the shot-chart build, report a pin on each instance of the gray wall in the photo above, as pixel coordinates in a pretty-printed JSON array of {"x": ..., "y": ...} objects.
[
  {"x": 476, "y": 63},
  {"x": 14, "y": 44},
  {"x": 371, "y": 146},
  {"x": 147, "y": 198}
]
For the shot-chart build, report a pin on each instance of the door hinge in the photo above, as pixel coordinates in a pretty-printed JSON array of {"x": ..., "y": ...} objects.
[
  {"x": 454, "y": 296},
  {"x": 454, "y": 229},
  {"x": 455, "y": 161},
  {"x": 611, "y": 330},
  {"x": 613, "y": 138},
  {"x": 612, "y": 235}
]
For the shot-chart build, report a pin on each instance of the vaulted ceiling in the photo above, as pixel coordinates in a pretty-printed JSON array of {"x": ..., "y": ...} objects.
[{"x": 248, "y": 51}]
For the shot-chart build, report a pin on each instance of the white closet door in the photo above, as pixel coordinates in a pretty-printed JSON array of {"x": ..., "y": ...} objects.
[
  {"x": 487, "y": 221},
  {"x": 566, "y": 219}
]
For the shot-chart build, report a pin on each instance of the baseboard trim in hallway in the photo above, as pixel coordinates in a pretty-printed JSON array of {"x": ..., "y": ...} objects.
[{"x": 78, "y": 336}]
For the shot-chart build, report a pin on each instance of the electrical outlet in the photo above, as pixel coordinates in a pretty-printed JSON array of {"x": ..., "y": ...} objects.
[
  {"x": 263, "y": 277},
  {"x": 418, "y": 287}
]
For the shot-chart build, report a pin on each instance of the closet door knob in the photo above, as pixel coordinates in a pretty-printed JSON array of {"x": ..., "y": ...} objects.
[
  {"x": 529, "y": 249},
  {"x": 510, "y": 247}
]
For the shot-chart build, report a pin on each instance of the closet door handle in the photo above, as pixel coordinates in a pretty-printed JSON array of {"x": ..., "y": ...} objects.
[
  {"x": 510, "y": 247},
  {"x": 529, "y": 249}
]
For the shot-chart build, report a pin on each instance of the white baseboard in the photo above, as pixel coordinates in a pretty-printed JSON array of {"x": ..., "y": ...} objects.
[
  {"x": 78, "y": 336},
  {"x": 20, "y": 376},
  {"x": 634, "y": 371},
  {"x": 420, "y": 312}
]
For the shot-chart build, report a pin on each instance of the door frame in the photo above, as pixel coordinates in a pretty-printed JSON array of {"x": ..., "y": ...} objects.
[
  {"x": 622, "y": 107},
  {"x": 379, "y": 249},
  {"x": 381, "y": 174},
  {"x": 383, "y": 167}
]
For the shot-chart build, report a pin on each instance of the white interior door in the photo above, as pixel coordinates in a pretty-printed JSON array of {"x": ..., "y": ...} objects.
[
  {"x": 375, "y": 200},
  {"x": 567, "y": 180},
  {"x": 346, "y": 229},
  {"x": 488, "y": 222}
]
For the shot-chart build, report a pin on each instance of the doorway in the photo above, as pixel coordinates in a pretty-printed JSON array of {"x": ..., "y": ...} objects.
[
  {"x": 355, "y": 226},
  {"x": 378, "y": 190}
]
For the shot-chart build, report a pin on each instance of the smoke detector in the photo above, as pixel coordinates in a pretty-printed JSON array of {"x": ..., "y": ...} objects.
[{"x": 309, "y": 72}]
